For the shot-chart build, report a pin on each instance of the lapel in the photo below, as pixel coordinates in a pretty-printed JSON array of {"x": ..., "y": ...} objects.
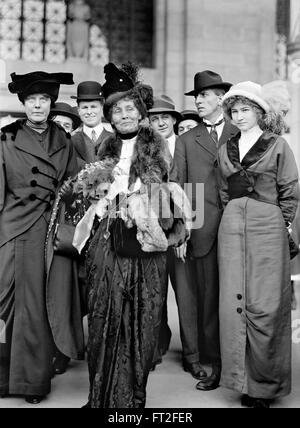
[
  {"x": 102, "y": 136},
  {"x": 80, "y": 144},
  {"x": 257, "y": 151},
  {"x": 57, "y": 139},
  {"x": 204, "y": 139},
  {"x": 27, "y": 143},
  {"x": 229, "y": 131},
  {"x": 233, "y": 151}
]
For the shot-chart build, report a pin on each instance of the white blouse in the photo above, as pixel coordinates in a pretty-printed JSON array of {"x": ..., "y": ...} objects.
[
  {"x": 122, "y": 169},
  {"x": 247, "y": 140}
]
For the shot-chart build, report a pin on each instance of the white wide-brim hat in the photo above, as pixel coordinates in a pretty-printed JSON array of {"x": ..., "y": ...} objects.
[{"x": 252, "y": 91}]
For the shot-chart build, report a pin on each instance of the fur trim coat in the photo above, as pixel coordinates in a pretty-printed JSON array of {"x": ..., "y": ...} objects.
[
  {"x": 154, "y": 211},
  {"x": 151, "y": 160}
]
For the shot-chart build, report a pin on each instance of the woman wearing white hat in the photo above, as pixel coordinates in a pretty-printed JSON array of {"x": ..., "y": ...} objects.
[{"x": 261, "y": 196}]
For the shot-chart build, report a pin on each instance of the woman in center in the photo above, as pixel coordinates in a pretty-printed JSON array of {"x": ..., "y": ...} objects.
[{"x": 127, "y": 277}]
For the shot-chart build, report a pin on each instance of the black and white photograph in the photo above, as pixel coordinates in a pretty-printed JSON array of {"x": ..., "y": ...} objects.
[{"x": 149, "y": 206}]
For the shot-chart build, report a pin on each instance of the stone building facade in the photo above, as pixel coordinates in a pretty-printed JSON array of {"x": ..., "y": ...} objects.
[{"x": 170, "y": 39}]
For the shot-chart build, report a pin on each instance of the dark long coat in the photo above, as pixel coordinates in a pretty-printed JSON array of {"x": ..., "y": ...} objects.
[
  {"x": 196, "y": 162},
  {"x": 126, "y": 294},
  {"x": 197, "y": 282},
  {"x": 29, "y": 178},
  {"x": 255, "y": 292},
  {"x": 83, "y": 145}
]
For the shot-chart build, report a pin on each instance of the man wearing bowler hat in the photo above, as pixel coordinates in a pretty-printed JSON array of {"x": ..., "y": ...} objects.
[
  {"x": 163, "y": 118},
  {"x": 88, "y": 137},
  {"x": 66, "y": 116},
  {"x": 197, "y": 283}
]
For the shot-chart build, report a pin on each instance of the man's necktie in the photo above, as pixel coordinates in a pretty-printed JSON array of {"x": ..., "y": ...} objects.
[
  {"x": 213, "y": 132},
  {"x": 94, "y": 136}
]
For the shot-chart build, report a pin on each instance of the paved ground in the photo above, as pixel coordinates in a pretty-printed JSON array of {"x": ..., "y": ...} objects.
[{"x": 169, "y": 386}]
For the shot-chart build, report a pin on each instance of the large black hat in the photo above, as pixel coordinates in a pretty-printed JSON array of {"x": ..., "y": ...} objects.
[
  {"x": 38, "y": 82},
  {"x": 64, "y": 109},
  {"x": 116, "y": 80},
  {"x": 122, "y": 82},
  {"x": 206, "y": 80},
  {"x": 89, "y": 90}
]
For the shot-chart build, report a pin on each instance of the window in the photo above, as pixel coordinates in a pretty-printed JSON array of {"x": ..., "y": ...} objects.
[
  {"x": 36, "y": 30},
  {"x": 128, "y": 26}
]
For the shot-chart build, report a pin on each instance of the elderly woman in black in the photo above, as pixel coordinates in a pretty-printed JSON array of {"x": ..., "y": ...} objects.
[
  {"x": 35, "y": 158},
  {"x": 127, "y": 262}
]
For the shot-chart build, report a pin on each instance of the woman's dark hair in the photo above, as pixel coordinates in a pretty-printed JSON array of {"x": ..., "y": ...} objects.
[{"x": 141, "y": 95}]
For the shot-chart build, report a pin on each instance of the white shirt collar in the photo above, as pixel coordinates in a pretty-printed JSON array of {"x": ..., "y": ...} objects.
[
  {"x": 88, "y": 131},
  {"x": 208, "y": 122},
  {"x": 218, "y": 128},
  {"x": 171, "y": 143}
]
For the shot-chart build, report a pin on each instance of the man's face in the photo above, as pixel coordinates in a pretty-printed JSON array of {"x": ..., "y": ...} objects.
[
  {"x": 163, "y": 123},
  {"x": 186, "y": 125},
  {"x": 90, "y": 112},
  {"x": 64, "y": 121},
  {"x": 208, "y": 103},
  {"x": 37, "y": 107}
]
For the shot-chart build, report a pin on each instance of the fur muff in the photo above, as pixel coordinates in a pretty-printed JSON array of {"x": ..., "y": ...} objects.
[{"x": 151, "y": 160}]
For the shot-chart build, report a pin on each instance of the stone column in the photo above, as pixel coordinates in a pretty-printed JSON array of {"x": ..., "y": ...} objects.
[{"x": 293, "y": 51}]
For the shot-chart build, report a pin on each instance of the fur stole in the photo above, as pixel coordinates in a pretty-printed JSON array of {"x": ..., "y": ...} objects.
[{"x": 151, "y": 160}]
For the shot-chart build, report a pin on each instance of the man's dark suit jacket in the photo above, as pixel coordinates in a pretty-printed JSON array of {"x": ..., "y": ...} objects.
[
  {"x": 196, "y": 162},
  {"x": 83, "y": 144}
]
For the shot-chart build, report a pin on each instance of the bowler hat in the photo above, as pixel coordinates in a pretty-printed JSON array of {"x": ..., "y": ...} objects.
[
  {"x": 207, "y": 79},
  {"x": 88, "y": 91},
  {"x": 38, "y": 82},
  {"x": 165, "y": 104},
  {"x": 190, "y": 114},
  {"x": 64, "y": 109}
]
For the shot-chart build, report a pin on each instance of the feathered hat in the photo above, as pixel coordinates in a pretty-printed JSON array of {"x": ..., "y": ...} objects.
[{"x": 123, "y": 82}]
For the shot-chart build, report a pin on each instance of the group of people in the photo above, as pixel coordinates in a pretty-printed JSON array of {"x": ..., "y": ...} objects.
[{"x": 225, "y": 248}]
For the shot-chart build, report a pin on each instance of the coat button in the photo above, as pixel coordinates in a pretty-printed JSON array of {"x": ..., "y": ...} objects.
[
  {"x": 239, "y": 310},
  {"x": 239, "y": 296},
  {"x": 242, "y": 173},
  {"x": 250, "y": 189}
]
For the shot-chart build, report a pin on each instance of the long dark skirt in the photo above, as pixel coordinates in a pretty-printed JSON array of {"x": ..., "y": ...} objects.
[
  {"x": 125, "y": 303},
  {"x": 26, "y": 354}
]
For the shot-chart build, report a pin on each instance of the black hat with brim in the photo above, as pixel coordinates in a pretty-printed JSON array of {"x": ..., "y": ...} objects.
[
  {"x": 89, "y": 90},
  {"x": 64, "y": 109},
  {"x": 208, "y": 80},
  {"x": 38, "y": 82},
  {"x": 164, "y": 104},
  {"x": 190, "y": 115}
]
